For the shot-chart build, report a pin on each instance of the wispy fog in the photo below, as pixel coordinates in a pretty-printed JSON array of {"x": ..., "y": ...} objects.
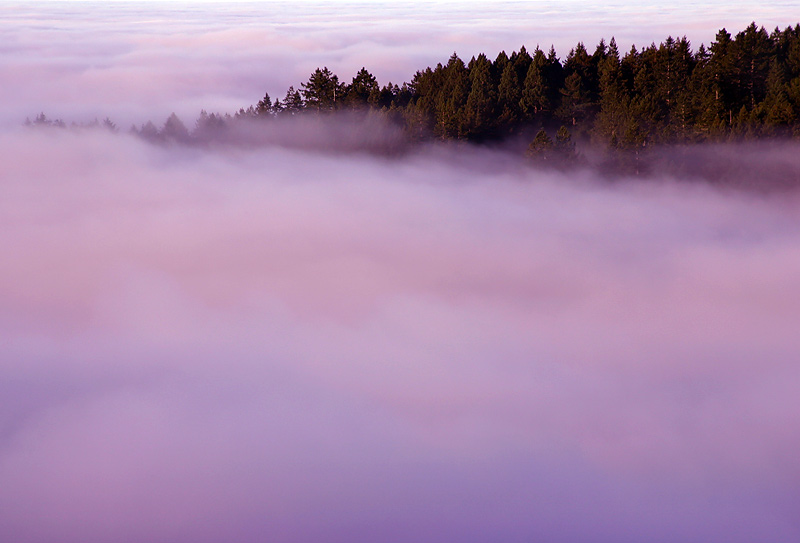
[{"x": 274, "y": 344}]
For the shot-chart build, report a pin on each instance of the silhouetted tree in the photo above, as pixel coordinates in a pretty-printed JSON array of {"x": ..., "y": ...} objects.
[
  {"x": 322, "y": 90},
  {"x": 175, "y": 130}
]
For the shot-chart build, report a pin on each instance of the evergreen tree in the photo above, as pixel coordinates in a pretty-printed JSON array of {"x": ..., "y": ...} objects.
[
  {"x": 149, "y": 131},
  {"x": 753, "y": 49},
  {"x": 614, "y": 97},
  {"x": 264, "y": 107},
  {"x": 535, "y": 96},
  {"x": 292, "y": 103},
  {"x": 521, "y": 61},
  {"x": 479, "y": 110},
  {"x": 576, "y": 93},
  {"x": 779, "y": 114},
  {"x": 110, "y": 126},
  {"x": 175, "y": 130},
  {"x": 452, "y": 99},
  {"x": 498, "y": 66},
  {"x": 363, "y": 91},
  {"x": 564, "y": 148},
  {"x": 208, "y": 127},
  {"x": 321, "y": 91},
  {"x": 540, "y": 149},
  {"x": 724, "y": 80},
  {"x": 509, "y": 96}
]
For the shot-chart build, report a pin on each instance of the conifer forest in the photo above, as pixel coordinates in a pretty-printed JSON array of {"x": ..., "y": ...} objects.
[{"x": 742, "y": 87}]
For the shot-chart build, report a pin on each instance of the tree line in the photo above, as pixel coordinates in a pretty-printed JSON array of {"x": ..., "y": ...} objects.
[{"x": 741, "y": 87}]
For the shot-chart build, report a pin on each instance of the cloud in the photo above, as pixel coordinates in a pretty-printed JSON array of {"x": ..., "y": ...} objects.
[{"x": 252, "y": 343}]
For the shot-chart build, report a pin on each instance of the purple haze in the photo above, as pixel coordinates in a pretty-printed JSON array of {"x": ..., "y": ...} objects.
[
  {"x": 269, "y": 344},
  {"x": 286, "y": 346}
]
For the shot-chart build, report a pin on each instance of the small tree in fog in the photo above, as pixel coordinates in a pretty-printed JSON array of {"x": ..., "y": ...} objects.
[
  {"x": 564, "y": 146},
  {"x": 292, "y": 102},
  {"x": 208, "y": 126},
  {"x": 109, "y": 125},
  {"x": 174, "y": 129},
  {"x": 264, "y": 107},
  {"x": 541, "y": 148},
  {"x": 149, "y": 131}
]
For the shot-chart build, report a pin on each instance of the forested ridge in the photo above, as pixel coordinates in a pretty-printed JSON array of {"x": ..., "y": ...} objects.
[{"x": 741, "y": 87}]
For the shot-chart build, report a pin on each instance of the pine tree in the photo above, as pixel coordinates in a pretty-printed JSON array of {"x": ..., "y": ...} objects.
[
  {"x": 363, "y": 91},
  {"x": 292, "y": 103},
  {"x": 753, "y": 49},
  {"x": 521, "y": 61},
  {"x": 509, "y": 95},
  {"x": 535, "y": 96},
  {"x": 576, "y": 93},
  {"x": 779, "y": 113},
  {"x": 452, "y": 99},
  {"x": 149, "y": 131},
  {"x": 479, "y": 110},
  {"x": 322, "y": 90},
  {"x": 564, "y": 147},
  {"x": 540, "y": 149},
  {"x": 208, "y": 127},
  {"x": 614, "y": 98},
  {"x": 264, "y": 107},
  {"x": 724, "y": 78},
  {"x": 174, "y": 129}
]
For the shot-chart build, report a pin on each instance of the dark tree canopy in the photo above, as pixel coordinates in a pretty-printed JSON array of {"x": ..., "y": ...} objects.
[{"x": 743, "y": 86}]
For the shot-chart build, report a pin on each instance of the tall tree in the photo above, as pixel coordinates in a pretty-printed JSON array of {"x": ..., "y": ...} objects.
[
  {"x": 614, "y": 97},
  {"x": 576, "y": 93},
  {"x": 363, "y": 91},
  {"x": 535, "y": 96},
  {"x": 322, "y": 90},
  {"x": 479, "y": 110},
  {"x": 509, "y": 95},
  {"x": 264, "y": 107},
  {"x": 292, "y": 103},
  {"x": 452, "y": 99}
]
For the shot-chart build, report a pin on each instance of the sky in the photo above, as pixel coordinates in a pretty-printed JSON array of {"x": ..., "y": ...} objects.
[{"x": 303, "y": 344}]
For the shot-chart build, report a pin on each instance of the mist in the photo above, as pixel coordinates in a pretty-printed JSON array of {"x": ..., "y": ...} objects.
[
  {"x": 313, "y": 331},
  {"x": 250, "y": 343}
]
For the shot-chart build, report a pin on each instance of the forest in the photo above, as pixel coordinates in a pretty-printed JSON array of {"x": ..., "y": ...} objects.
[{"x": 742, "y": 87}]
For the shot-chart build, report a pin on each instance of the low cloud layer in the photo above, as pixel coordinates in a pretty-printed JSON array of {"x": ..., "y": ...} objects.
[{"x": 274, "y": 344}]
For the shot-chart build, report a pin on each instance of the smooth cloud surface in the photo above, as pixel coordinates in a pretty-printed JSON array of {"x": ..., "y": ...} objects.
[{"x": 275, "y": 344}]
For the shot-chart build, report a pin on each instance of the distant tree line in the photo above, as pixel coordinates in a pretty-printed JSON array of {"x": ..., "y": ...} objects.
[
  {"x": 741, "y": 87},
  {"x": 42, "y": 120}
]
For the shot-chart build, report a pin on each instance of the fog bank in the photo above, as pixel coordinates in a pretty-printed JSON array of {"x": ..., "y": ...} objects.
[{"x": 276, "y": 344}]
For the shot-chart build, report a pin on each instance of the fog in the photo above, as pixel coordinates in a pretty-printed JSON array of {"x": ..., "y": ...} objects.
[
  {"x": 253, "y": 344},
  {"x": 317, "y": 333}
]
